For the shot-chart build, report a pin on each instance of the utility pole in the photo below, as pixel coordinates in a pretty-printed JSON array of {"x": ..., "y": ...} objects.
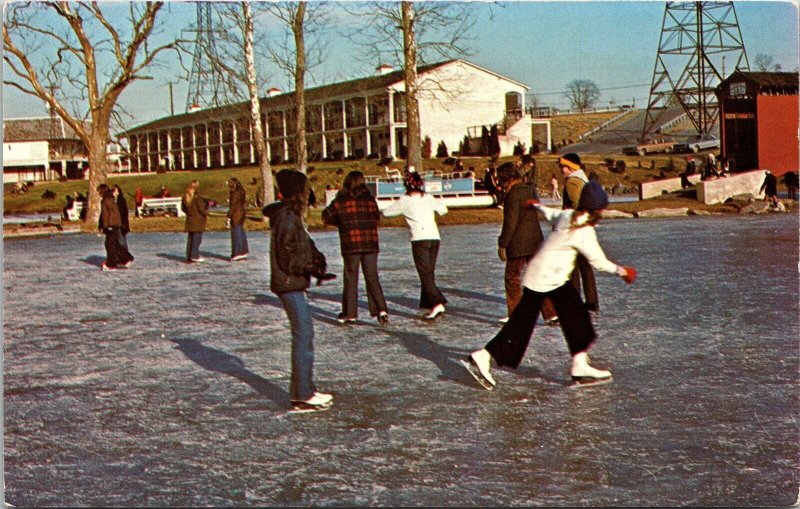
[{"x": 171, "y": 102}]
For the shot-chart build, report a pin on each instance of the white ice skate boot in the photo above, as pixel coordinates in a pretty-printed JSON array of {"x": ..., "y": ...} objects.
[
  {"x": 584, "y": 374},
  {"x": 479, "y": 365}
]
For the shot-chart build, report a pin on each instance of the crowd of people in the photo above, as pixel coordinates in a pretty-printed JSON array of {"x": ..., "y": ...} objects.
[{"x": 543, "y": 274}]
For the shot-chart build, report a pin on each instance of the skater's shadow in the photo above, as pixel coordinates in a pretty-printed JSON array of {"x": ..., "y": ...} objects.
[
  {"x": 444, "y": 358},
  {"x": 467, "y": 294},
  {"x": 97, "y": 261},
  {"x": 535, "y": 374},
  {"x": 363, "y": 305},
  {"x": 214, "y": 256},
  {"x": 172, "y": 257},
  {"x": 227, "y": 364},
  {"x": 323, "y": 315}
]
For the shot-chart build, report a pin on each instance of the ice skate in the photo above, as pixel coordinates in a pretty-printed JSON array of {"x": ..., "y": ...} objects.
[
  {"x": 319, "y": 402},
  {"x": 479, "y": 364},
  {"x": 583, "y": 374},
  {"x": 436, "y": 312}
]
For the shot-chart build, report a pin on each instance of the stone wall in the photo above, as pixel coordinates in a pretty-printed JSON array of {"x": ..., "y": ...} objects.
[
  {"x": 719, "y": 190},
  {"x": 658, "y": 187}
]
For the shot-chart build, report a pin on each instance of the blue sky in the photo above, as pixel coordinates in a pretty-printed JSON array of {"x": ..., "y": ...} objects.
[{"x": 544, "y": 45}]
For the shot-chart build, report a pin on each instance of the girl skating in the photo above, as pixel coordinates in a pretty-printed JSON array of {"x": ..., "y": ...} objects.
[{"x": 547, "y": 275}]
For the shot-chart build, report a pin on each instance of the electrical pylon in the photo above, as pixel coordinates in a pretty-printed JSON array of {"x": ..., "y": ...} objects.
[
  {"x": 207, "y": 87},
  {"x": 696, "y": 38}
]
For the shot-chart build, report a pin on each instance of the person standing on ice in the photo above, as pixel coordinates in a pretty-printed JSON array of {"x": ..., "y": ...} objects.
[
  {"x": 548, "y": 275},
  {"x": 355, "y": 213},
  {"x": 294, "y": 259},
  {"x": 419, "y": 209}
]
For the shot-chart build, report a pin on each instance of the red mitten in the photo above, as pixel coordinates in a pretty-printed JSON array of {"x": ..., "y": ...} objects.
[
  {"x": 530, "y": 203},
  {"x": 630, "y": 275}
]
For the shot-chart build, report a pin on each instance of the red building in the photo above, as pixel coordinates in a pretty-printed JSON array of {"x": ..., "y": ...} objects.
[{"x": 759, "y": 120}]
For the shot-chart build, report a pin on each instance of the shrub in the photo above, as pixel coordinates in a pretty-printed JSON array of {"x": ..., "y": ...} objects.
[
  {"x": 48, "y": 195},
  {"x": 427, "y": 148},
  {"x": 619, "y": 167},
  {"x": 441, "y": 150}
]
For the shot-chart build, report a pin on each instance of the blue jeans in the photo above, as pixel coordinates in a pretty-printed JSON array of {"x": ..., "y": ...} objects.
[
  {"x": 238, "y": 241},
  {"x": 193, "y": 245},
  {"x": 301, "y": 386}
]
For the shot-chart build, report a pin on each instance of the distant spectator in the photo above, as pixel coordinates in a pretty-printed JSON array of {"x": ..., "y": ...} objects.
[
  {"x": 237, "y": 199},
  {"x": 770, "y": 188},
  {"x": 710, "y": 168},
  {"x": 195, "y": 207},
  {"x": 138, "y": 199},
  {"x": 490, "y": 183},
  {"x": 125, "y": 225},
  {"x": 554, "y": 194},
  {"x": 164, "y": 193},
  {"x": 70, "y": 201},
  {"x": 791, "y": 180},
  {"x": 691, "y": 169}
]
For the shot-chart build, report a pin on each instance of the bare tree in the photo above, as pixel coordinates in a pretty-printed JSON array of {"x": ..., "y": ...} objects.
[
  {"x": 414, "y": 34},
  {"x": 236, "y": 62},
  {"x": 582, "y": 94},
  {"x": 296, "y": 58},
  {"x": 762, "y": 62},
  {"x": 72, "y": 56}
]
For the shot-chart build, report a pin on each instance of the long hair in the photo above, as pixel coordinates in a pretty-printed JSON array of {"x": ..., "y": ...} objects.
[
  {"x": 594, "y": 217},
  {"x": 414, "y": 183},
  {"x": 354, "y": 184}
]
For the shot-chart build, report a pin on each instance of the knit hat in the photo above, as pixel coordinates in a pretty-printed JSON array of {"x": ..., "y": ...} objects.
[
  {"x": 571, "y": 160},
  {"x": 290, "y": 183},
  {"x": 593, "y": 197}
]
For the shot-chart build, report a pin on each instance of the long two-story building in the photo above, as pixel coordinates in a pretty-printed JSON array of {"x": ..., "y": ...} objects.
[{"x": 354, "y": 119}]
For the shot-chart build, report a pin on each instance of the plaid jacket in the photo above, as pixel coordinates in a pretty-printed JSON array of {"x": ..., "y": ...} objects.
[{"x": 357, "y": 219}]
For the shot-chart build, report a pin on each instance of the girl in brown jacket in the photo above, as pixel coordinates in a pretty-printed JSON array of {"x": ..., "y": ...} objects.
[
  {"x": 196, "y": 208},
  {"x": 117, "y": 256}
]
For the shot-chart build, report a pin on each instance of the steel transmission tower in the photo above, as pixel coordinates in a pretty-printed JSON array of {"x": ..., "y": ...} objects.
[
  {"x": 699, "y": 43},
  {"x": 207, "y": 86}
]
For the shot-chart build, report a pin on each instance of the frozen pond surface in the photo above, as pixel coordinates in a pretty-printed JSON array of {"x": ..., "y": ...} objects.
[{"x": 166, "y": 384}]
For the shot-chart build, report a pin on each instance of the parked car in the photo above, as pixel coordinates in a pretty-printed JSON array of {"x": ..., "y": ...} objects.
[
  {"x": 698, "y": 143},
  {"x": 650, "y": 146}
]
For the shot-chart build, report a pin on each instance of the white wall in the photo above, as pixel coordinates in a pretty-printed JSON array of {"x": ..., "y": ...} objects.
[
  {"x": 473, "y": 97},
  {"x": 25, "y": 153}
]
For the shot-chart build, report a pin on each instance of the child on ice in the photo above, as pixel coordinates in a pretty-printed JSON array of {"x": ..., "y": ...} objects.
[{"x": 548, "y": 275}]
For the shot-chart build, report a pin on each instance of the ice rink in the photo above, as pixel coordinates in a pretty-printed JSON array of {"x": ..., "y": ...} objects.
[{"x": 166, "y": 384}]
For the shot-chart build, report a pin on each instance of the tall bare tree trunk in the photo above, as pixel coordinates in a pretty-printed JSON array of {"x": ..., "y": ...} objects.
[
  {"x": 414, "y": 157},
  {"x": 301, "y": 150},
  {"x": 267, "y": 191}
]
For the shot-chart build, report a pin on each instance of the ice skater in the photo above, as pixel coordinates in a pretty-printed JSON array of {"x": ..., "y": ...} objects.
[
  {"x": 195, "y": 207},
  {"x": 548, "y": 275},
  {"x": 294, "y": 259},
  {"x": 237, "y": 201},
  {"x": 355, "y": 212},
  {"x": 419, "y": 209}
]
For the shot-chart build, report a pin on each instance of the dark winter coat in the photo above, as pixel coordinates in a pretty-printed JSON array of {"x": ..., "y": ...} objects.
[
  {"x": 770, "y": 185},
  {"x": 292, "y": 254},
  {"x": 109, "y": 212},
  {"x": 238, "y": 201},
  {"x": 357, "y": 218},
  {"x": 122, "y": 205},
  {"x": 196, "y": 213},
  {"x": 521, "y": 234}
]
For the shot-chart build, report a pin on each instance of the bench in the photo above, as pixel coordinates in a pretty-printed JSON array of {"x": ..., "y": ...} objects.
[
  {"x": 74, "y": 212},
  {"x": 161, "y": 207}
]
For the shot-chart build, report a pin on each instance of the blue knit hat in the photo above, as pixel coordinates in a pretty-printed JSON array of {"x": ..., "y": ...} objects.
[{"x": 593, "y": 197}]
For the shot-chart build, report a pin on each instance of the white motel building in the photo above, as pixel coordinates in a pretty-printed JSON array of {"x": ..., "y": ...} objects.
[{"x": 356, "y": 119}]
